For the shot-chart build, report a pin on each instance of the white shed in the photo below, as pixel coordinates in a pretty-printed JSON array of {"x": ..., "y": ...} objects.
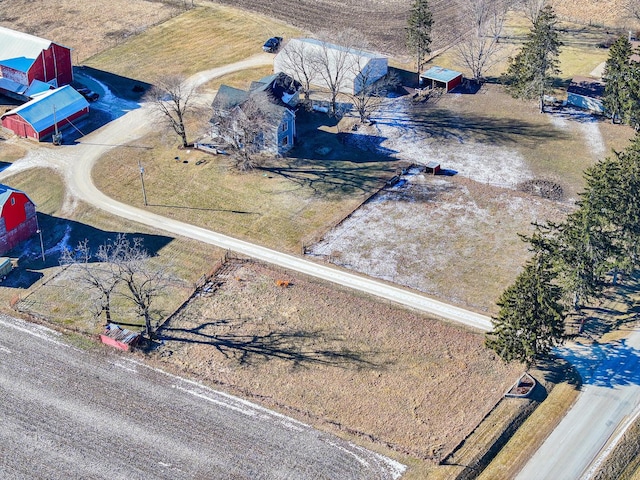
[{"x": 360, "y": 68}]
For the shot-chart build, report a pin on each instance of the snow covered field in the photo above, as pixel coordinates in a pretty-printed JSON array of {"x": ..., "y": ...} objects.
[{"x": 453, "y": 236}]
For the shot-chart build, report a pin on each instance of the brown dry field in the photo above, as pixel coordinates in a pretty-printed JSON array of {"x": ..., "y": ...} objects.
[
  {"x": 337, "y": 359},
  {"x": 86, "y": 27},
  {"x": 106, "y": 24}
]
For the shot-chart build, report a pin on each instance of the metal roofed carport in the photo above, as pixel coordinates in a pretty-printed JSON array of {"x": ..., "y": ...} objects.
[{"x": 439, "y": 77}]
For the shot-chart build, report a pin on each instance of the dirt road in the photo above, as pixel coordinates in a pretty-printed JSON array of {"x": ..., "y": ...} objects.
[
  {"x": 67, "y": 413},
  {"x": 76, "y": 163}
]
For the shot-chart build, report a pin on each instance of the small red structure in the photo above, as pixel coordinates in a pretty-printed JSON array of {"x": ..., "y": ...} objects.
[
  {"x": 432, "y": 167},
  {"x": 119, "y": 337},
  {"x": 438, "y": 77},
  {"x": 17, "y": 218}
]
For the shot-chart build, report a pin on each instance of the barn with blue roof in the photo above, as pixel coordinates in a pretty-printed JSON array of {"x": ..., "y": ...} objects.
[
  {"x": 439, "y": 77},
  {"x": 25, "y": 58},
  {"x": 53, "y": 109}
]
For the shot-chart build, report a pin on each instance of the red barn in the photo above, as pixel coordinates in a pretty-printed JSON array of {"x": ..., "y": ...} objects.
[
  {"x": 17, "y": 218},
  {"x": 39, "y": 118},
  {"x": 25, "y": 58}
]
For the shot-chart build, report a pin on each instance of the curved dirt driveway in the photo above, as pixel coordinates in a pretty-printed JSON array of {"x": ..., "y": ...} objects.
[{"x": 76, "y": 163}]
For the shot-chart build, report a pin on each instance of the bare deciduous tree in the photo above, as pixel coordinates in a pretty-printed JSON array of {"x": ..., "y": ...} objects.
[
  {"x": 143, "y": 282},
  {"x": 172, "y": 95},
  {"x": 478, "y": 50},
  {"x": 297, "y": 59},
  {"x": 372, "y": 94},
  {"x": 334, "y": 65},
  {"x": 119, "y": 262},
  {"x": 532, "y": 8},
  {"x": 245, "y": 128},
  {"x": 632, "y": 9},
  {"x": 100, "y": 276}
]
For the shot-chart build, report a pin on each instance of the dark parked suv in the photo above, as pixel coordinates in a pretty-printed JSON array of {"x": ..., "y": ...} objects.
[
  {"x": 272, "y": 45},
  {"x": 88, "y": 94}
]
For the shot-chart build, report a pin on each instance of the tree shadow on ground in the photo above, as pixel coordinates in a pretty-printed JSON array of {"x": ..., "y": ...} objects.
[
  {"x": 428, "y": 123},
  {"x": 617, "y": 306},
  {"x": 325, "y": 162},
  {"x": 300, "y": 347},
  {"x": 555, "y": 369},
  {"x": 334, "y": 177},
  {"x": 59, "y": 234},
  {"x": 407, "y": 191},
  {"x": 607, "y": 365}
]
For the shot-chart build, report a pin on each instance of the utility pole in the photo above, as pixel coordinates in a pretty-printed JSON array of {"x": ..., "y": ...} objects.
[
  {"x": 144, "y": 192},
  {"x": 39, "y": 232}
]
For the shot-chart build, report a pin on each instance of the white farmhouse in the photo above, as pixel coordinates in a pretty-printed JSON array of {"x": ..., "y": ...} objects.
[{"x": 356, "y": 68}]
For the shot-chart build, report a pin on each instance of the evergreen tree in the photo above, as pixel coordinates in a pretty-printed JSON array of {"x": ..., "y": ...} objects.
[
  {"x": 584, "y": 254},
  {"x": 619, "y": 180},
  {"x": 632, "y": 112},
  {"x": 530, "y": 72},
  {"x": 531, "y": 317},
  {"x": 419, "y": 27},
  {"x": 617, "y": 79}
]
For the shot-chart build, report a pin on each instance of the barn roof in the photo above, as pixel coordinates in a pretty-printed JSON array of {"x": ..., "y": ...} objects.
[
  {"x": 11, "y": 86},
  {"x": 19, "y": 50},
  {"x": 5, "y": 193},
  {"x": 586, "y": 86},
  {"x": 352, "y": 51},
  {"x": 39, "y": 112},
  {"x": 440, "y": 74},
  {"x": 37, "y": 87}
]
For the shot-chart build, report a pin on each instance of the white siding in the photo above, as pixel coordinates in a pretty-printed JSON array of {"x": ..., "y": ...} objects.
[{"x": 374, "y": 65}]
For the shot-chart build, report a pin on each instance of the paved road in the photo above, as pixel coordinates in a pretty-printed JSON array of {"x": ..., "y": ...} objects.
[
  {"x": 67, "y": 413},
  {"x": 610, "y": 396}
]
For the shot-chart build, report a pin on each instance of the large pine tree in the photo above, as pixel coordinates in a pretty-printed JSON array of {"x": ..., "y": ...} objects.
[
  {"x": 530, "y": 72},
  {"x": 419, "y": 27},
  {"x": 617, "y": 79},
  {"x": 531, "y": 317}
]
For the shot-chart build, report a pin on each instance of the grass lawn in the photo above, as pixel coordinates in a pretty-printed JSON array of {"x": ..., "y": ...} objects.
[
  {"x": 9, "y": 152},
  {"x": 197, "y": 40},
  {"x": 279, "y": 206},
  {"x": 51, "y": 293}
]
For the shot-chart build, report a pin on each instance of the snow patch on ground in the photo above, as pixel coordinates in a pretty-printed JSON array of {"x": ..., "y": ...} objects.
[
  {"x": 405, "y": 138},
  {"x": 587, "y": 124}
]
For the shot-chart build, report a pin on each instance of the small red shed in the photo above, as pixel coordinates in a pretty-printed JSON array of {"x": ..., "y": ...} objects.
[
  {"x": 18, "y": 220},
  {"x": 118, "y": 337},
  {"x": 439, "y": 77}
]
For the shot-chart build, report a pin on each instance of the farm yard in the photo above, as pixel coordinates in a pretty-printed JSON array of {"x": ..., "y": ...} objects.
[{"x": 401, "y": 383}]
